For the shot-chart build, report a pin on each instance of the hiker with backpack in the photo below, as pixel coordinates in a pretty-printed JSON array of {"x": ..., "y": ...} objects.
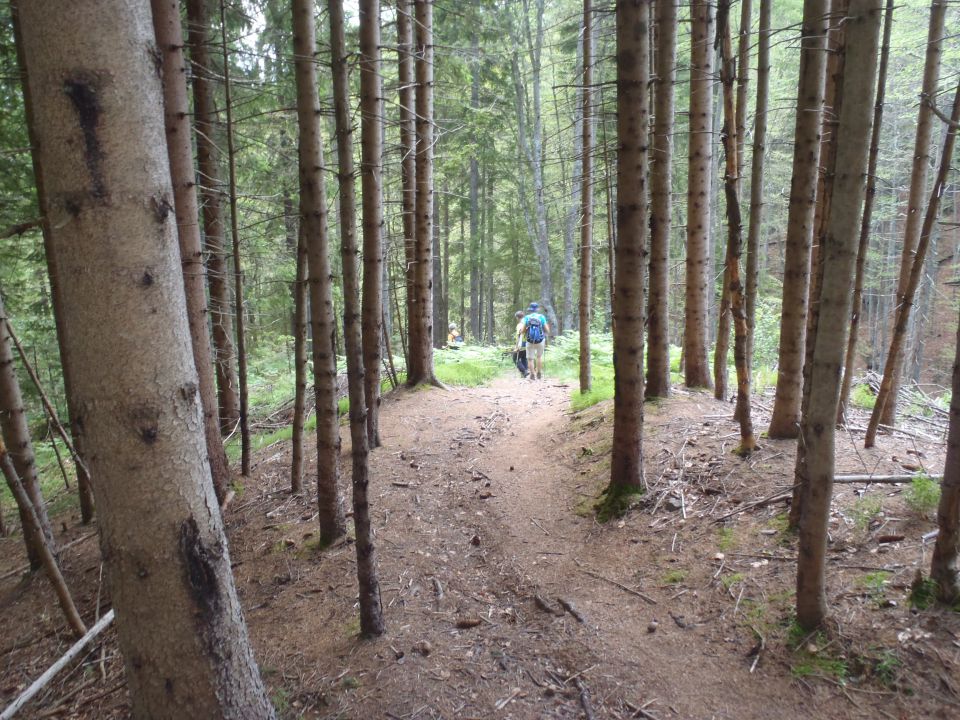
[
  {"x": 535, "y": 330},
  {"x": 520, "y": 351}
]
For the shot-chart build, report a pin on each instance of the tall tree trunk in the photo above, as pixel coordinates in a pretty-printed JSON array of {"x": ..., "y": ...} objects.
[
  {"x": 313, "y": 224},
  {"x": 696, "y": 368},
  {"x": 752, "y": 265},
  {"x": 567, "y": 321},
  {"x": 176, "y": 116},
  {"x": 800, "y": 216},
  {"x": 893, "y": 366},
  {"x": 439, "y": 331},
  {"x": 371, "y": 612},
  {"x": 408, "y": 150},
  {"x": 239, "y": 309},
  {"x": 114, "y": 239},
  {"x": 866, "y": 224},
  {"x": 839, "y": 251},
  {"x": 199, "y": 40},
  {"x": 633, "y": 75},
  {"x": 421, "y": 326},
  {"x": 475, "y": 311},
  {"x": 743, "y": 79},
  {"x": 300, "y": 362},
  {"x": 586, "y": 213},
  {"x": 943, "y": 565},
  {"x": 16, "y": 431},
  {"x": 734, "y": 289},
  {"x": 661, "y": 187},
  {"x": 84, "y": 485},
  {"x": 886, "y": 406},
  {"x": 371, "y": 171},
  {"x": 444, "y": 319},
  {"x": 489, "y": 204}
]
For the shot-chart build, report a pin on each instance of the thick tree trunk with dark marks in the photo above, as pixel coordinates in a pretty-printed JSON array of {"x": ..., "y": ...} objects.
[
  {"x": 800, "y": 217},
  {"x": 420, "y": 330},
  {"x": 633, "y": 75},
  {"x": 84, "y": 486},
  {"x": 199, "y": 39},
  {"x": 371, "y": 171},
  {"x": 696, "y": 366},
  {"x": 661, "y": 188},
  {"x": 816, "y": 468},
  {"x": 16, "y": 432},
  {"x": 114, "y": 239},
  {"x": 313, "y": 223},
  {"x": 176, "y": 116}
]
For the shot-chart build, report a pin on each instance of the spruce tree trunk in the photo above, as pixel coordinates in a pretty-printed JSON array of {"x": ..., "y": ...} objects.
[
  {"x": 567, "y": 321},
  {"x": 661, "y": 187},
  {"x": 866, "y": 224},
  {"x": 176, "y": 116},
  {"x": 800, "y": 217},
  {"x": 731, "y": 182},
  {"x": 199, "y": 39},
  {"x": 84, "y": 485},
  {"x": 239, "y": 308},
  {"x": 743, "y": 79},
  {"x": 420, "y": 330},
  {"x": 439, "y": 331},
  {"x": 752, "y": 264},
  {"x": 300, "y": 362},
  {"x": 943, "y": 566},
  {"x": 371, "y": 177},
  {"x": 16, "y": 431},
  {"x": 475, "y": 311},
  {"x": 886, "y": 406},
  {"x": 586, "y": 213},
  {"x": 700, "y": 160},
  {"x": 408, "y": 150},
  {"x": 894, "y": 364},
  {"x": 313, "y": 226},
  {"x": 839, "y": 253},
  {"x": 633, "y": 75},
  {"x": 371, "y": 611},
  {"x": 114, "y": 241}
]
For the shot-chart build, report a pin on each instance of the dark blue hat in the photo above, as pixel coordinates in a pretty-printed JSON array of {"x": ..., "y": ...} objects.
[{"x": 534, "y": 306}]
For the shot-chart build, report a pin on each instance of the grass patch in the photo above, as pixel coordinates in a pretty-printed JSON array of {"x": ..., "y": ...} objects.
[
  {"x": 726, "y": 540},
  {"x": 862, "y": 396},
  {"x": 864, "y": 510},
  {"x": 923, "y": 495},
  {"x": 728, "y": 581},
  {"x": 810, "y": 658},
  {"x": 923, "y": 592},
  {"x": 468, "y": 366},
  {"x": 675, "y": 577}
]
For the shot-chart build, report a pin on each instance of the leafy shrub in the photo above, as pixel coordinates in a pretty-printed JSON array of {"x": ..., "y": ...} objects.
[
  {"x": 862, "y": 396},
  {"x": 923, "y": 495}
]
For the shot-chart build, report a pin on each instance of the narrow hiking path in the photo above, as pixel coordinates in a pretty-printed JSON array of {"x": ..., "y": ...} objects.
[{"x": 505, "y": 599}]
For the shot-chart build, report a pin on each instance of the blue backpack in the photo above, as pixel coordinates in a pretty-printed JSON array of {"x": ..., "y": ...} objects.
[{"x": 534, "y": 330}]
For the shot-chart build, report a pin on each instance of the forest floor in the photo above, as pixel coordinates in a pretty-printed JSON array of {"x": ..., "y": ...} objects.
[{"x": 504, "y": 598}]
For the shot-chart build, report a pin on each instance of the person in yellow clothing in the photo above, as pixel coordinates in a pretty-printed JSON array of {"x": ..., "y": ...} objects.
[{"x": 454, "y": 337}]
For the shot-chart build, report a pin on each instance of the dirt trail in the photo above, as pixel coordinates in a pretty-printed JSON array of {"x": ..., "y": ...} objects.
[{"x": 481, "y": 504}]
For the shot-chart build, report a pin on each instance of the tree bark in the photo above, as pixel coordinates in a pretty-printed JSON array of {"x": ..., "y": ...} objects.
[
  {"x": 586, "y": 213},
  {"x": 371, "y": 612},
  {"x": 114, "y": 240},
  {"x": 819, "y": 420},
  {"x": 199, "y": 40},
  {"x": 475, "y": 311},
  {"x": 866, "y": 224},
  {"x": 887, "y": 403},
  {"x": 84, "y": 485},
  {"x": 752, "y": 265},
  {"x": 731, "y": 181},
  {"x": 696, "y": 368},
  {"x": 633, "y": 75},
  {"x": 420, "y": 330},
  {"x": 239, "y": 309},
  {"x": 408, "y": 149},
  {"x": 176, "y": 115},
  {"x": 743, "y": 79},
  {"x": 300, "y": 362},
  {"x": 943, "y": 566},
  {"x": 371, "y": 177},
  {"x": 661, "y": 186},
  {"x": 16, "y": 432},
  {"x": 313, "y": 224},
  {"x": 800, "y": 217},
  {"x": 893, "y": 366}
]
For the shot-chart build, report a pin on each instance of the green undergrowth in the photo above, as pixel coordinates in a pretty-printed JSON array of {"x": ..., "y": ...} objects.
[
  {"x": 615, "y": 502},
  {"x": 470, "y": 365},
  {"x": 923, "y": 495}
]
